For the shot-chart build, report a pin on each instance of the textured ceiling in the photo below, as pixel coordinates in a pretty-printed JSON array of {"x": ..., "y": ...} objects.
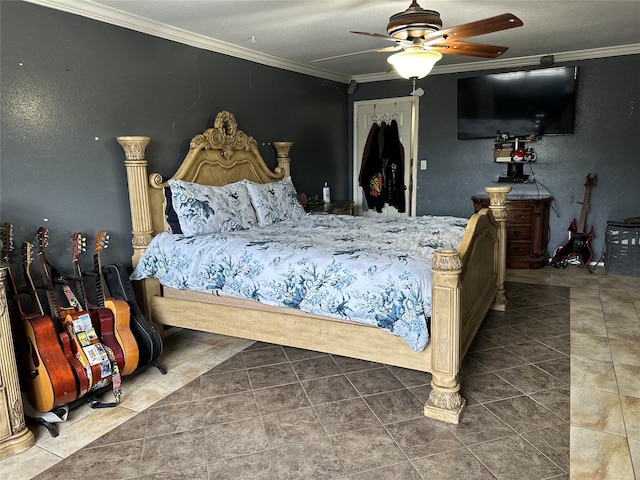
[{"x": 292, "y": 33}]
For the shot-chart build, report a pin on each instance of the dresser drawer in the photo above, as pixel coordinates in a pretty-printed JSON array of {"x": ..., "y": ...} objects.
[
  {"x": 518, "y": 232},
  {"x": 518, "y": 216},
  {"x": 518, "y": 249}
]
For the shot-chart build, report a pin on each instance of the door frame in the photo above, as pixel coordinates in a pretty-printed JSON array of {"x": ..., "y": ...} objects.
[{"x": 413, "y": 145}]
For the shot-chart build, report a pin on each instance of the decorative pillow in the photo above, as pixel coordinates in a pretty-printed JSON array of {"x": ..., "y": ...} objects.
[
  {"x": 203, "y": 209},
  {"x": 275, "y": 201}
]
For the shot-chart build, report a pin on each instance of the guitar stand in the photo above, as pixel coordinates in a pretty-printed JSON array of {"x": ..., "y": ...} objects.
[
  {"x": 49, "y": 426},
  {"x": 163, "y": 370},
  {"x": 560, "y": 263},
  {"x": 47, "y": 419}
]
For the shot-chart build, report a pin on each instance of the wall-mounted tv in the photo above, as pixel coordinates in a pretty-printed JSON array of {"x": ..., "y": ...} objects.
[{"x": 533, "y": 102}]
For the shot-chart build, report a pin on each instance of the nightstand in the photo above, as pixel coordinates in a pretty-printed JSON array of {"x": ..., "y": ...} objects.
[{"x": 344, "y": 207}]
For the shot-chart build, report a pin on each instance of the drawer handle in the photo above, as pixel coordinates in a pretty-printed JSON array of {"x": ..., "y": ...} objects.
[
  {"x": 518, "y": 249},
  {"x": 517, "y": 234},
  {"x": 520, "y": 216}
]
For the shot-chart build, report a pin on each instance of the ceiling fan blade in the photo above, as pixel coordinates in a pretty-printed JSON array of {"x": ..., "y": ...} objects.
[
  {"x": 385, "y": 49},
  {"x": 468, "y": 49},
  {"x": 480, "y": 27},
  {"x": 404, "y": 43}
]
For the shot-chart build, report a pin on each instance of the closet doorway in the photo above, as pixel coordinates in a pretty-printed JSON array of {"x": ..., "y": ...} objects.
[{"x": 404, "y": 110}]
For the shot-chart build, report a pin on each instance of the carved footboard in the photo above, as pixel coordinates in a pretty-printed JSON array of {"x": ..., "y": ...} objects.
[{"x": 466, "y": 283}]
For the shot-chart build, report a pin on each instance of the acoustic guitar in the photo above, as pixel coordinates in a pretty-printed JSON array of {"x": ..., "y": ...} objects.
[
  {"x": 77, "y": 338},
  {"x": 48, "y": 379},
  {"x": 119, "y": 308},
  {"x": 101, "y": 318},
  {"x": 578, "y": 246},
  {"x": 68, "y": 348}
]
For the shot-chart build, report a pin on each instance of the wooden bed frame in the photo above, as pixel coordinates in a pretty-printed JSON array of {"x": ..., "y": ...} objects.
[{"x": 466, "y": 283}]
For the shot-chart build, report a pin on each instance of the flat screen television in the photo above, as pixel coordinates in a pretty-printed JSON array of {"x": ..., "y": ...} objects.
[{"x": 533, "y": 102}]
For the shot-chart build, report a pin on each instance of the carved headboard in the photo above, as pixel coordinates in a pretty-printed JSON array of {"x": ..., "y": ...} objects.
[{"x": 218, "y": 156}]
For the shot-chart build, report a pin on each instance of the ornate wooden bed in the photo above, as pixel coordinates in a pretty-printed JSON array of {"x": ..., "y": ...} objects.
[{"x": 466, "y": 283}]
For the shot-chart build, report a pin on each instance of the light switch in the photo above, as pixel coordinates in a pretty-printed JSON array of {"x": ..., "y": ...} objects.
[{"x": 423, "y": 164}]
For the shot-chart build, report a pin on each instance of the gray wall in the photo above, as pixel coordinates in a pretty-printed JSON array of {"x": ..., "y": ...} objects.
[
  {"x": 71, "y": 85},
  {"x": 605, "y": 142}
]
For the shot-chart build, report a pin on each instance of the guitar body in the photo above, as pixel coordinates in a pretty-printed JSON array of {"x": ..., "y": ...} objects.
[
  {"x": 148, "y": 338},
  {"x": 104, "y": 323},
  {"x": 578, "y": 246},
  {"x": 51, "y": 382},
  {"x": 70, "y": 350},
  {"x": 123, "y": 333}
]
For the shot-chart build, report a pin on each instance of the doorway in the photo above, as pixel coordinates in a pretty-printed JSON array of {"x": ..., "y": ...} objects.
[{"x": 404, "y": 110}]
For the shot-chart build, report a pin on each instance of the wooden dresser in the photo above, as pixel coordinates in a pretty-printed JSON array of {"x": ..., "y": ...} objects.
[{"x": 527, "y": 230}]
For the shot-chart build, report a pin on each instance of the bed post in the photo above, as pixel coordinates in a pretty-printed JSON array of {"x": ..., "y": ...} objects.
[
  {"x": 498, "y": 207},
  {"x": 142, "y": 227},
  {"x": 136, "y": 165},
  {"x": 284, "y": 160},
  {"x": 445, "y": 402}
]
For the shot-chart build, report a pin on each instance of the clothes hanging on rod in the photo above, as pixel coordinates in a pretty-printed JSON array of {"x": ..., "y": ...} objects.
[{"x": 382, "y": 170}]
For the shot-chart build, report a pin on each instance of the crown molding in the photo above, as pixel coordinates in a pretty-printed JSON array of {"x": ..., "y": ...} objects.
[{"x": 112, "y": 16}]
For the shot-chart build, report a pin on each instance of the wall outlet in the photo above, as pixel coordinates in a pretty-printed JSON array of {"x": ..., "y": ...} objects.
[{"x": 423, "y": 164}]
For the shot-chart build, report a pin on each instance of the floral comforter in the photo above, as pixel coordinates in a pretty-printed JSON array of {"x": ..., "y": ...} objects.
[{"x": 367, "y": 270}]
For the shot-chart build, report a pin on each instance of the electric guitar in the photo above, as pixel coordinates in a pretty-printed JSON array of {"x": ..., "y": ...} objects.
[
  {"x": 48, "y": 379},
  {"x": 119, "y": 308},
  {"x": 101, "y": 318},
  {"x": 578, "y": 246}
]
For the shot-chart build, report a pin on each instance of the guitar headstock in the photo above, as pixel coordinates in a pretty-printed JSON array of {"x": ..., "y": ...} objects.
[
  {"x": 592, "y": 180},
  {"x": 43, "y": 238},
  {"x": 102, "y": 242},
  {"x": 27, "y": 255},
  {"x": 79, "y": 246},
  {"x": 7, "y": 241}
]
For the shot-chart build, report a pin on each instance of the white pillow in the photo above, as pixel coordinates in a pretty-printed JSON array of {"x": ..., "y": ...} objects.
[
  {"x": 203, "y": 209},
  {"x": 274, "y": 202}
]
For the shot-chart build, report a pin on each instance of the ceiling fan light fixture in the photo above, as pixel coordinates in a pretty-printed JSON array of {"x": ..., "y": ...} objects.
[{"x": 414, "y": 63}]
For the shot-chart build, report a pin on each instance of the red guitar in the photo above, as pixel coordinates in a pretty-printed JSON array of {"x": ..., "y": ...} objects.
[
  {"x": 48, "y": 378},
  {"x": 578, "y": 246},
  {"x": 101, "y": 318}
]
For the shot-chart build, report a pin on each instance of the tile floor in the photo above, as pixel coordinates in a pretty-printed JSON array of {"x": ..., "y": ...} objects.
[{"x": 273, "y": 412}]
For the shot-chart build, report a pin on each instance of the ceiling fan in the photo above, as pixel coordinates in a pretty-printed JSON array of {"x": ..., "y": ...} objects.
[{"x": 418, "y": 33}]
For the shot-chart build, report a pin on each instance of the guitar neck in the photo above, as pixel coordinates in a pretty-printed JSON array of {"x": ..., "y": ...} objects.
[
  {"x": 16, "y": 295},
  {"x": 26, "y": 271},
  {"x": 82, "y": 293},
  {"x": 583, "y": 212},
  {"x": 54, "y": 306},
  {"x": 98, "y": 273}
]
